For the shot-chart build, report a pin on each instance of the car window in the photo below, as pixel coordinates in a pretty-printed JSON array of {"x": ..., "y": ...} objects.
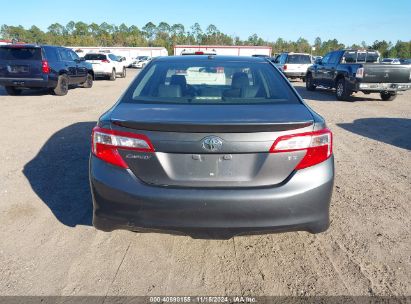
[
  {"x": 20, "y": 53},
  {"x": 326, "y": 58},
  {"x": 65, "y": 55},
  {"x": 282, "y": 58},
  {"x": 73, "y": 55},
  {"x": 215, "y": 82},
  {"x": 363, "y": 56},
  {"x": 113, "y": 57},
  {"x": 298, "y": 59},
  {"x": 95, "y": 57},
  {"x": 334, "y": 57},
  {"x": 51, "y": 53}
]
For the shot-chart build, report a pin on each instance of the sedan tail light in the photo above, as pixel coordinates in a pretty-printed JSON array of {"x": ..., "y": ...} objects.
[
  {"x": 318, "y": 146},
  {"x": 105, "y": 144},
  {"x": 284, "y": 67},
  {"x": 105, "y": 61}
]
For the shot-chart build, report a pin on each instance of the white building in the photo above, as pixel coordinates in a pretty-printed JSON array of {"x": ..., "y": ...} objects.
[
  {"x": 230, "y": 50},
  {"x": 128, "y": 52}
]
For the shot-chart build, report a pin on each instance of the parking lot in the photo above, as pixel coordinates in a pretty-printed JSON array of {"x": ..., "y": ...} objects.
[{"x": 48, "y": 246}]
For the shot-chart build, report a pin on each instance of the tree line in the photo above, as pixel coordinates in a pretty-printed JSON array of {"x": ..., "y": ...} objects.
[{"x": 166, "y": 35}]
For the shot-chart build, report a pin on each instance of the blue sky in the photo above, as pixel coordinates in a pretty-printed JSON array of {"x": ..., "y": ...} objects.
[{"x": 350, "y": 21}]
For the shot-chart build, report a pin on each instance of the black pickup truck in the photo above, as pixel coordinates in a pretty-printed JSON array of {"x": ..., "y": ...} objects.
[
  {"x": 350, "y": 71},
  {"x": 25, "y": 66}
]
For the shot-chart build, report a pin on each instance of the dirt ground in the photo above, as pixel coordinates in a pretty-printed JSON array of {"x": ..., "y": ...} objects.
[{"x": 48, "y": 246}]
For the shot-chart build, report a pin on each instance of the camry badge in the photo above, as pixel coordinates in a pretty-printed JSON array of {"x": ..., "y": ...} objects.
[{"x": 212, "y": 143}]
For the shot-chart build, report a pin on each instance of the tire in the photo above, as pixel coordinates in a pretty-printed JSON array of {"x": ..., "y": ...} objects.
[
  {"x": 303, "y": 79},
  {"x": 309, "y": 83},
  {"x": 89, "y": 81},
  {"x": 113, "y": 75},
  {"x": 124, "y": 74},
  {"x": 341, "y": 90},
  {"x": 62, "y": 86},
  {"x": 386, "y": 96},
  {"x": 13, "y": 91}
]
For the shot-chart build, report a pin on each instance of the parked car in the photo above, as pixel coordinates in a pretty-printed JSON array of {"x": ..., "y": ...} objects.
[
  {"x": 211, "y": 158},
  {"x": 106, "y": 65},
  {"x": 350, "y": 71},
  {"x": 391, "y": 61},
  {"x": 127, "y": 61},
  {"x": 141, "y": 61},
  {"x": 25, "y": 66},
  {"x": 293, "y": 65}
]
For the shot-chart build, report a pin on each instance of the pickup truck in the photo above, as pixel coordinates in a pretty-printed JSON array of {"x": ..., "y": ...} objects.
[
  {"x": 350, "y": 71},
  {"x": 26, "y": 66}
]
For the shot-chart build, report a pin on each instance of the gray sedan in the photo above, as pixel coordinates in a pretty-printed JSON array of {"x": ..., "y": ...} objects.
[{"x": 211, "y": 146}]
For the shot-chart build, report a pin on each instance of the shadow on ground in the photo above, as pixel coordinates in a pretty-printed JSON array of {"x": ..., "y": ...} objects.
[
  {"x": 321, "y": 94},
  {"x": 393, "y": 131},
  {"x": 59, "y": 174}
]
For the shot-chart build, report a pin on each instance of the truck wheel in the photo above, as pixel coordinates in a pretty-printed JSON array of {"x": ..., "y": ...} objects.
[
  {"x": 341, "y": 90},
  {"x": 62, "y": 86},
  {"x": 386, "y": 96},
  {"x": 113, "y": 75},
  {"x": 89, "y": 81},
  {"x": 13, "y": 91},
  {"x": 309, "y": 83}
]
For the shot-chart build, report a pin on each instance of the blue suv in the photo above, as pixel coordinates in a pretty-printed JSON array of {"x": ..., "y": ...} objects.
[{"x": 25, "y": 66}]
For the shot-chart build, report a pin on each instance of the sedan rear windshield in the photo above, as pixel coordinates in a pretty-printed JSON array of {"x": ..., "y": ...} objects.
[
  {"x": 210, "y": 81},
  {"x": 299, "y": 59},
  {"x": 20, "y": 53},
  {"x": 95, "y": 57}
]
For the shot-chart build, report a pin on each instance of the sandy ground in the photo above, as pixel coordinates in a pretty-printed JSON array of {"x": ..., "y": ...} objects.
[{"x": 47, "y": 246}]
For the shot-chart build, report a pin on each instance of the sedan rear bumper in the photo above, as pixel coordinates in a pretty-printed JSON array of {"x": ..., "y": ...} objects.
[{"x": 122, "y": 201}]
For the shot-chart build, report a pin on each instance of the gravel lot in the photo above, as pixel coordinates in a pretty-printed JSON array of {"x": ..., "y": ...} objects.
[{"x": 48, "y": 246}]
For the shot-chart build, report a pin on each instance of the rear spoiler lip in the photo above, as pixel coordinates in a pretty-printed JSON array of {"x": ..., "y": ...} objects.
[{"x": 223, "y": 127}]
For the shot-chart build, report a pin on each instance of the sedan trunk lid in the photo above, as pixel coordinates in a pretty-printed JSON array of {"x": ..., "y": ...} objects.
[{"x": 181, "y": 136}]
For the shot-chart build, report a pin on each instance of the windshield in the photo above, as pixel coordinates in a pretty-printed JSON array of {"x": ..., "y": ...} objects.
[
  {"x": 20, "y": 53},
  {"x": 210, "y": 81},
  {"x": 142, "y": 57},
  {"x": 299, "y": 59},
  {"x": 356, "y": 56},
  {"x": 95, "y": 57}
]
